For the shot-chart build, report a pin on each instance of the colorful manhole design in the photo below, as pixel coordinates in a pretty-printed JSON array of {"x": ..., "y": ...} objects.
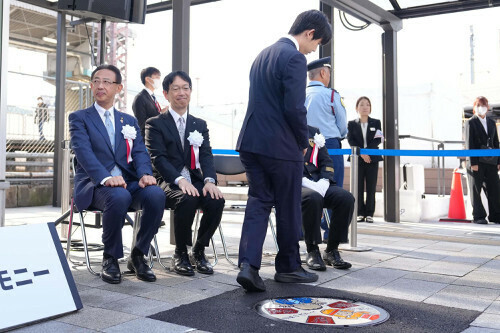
[{"x": 322, "y": 311}]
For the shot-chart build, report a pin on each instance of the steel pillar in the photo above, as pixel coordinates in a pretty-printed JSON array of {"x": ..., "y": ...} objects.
[
  {"x": 180, "y": 32},
  {"x": 328, "y": 50}
]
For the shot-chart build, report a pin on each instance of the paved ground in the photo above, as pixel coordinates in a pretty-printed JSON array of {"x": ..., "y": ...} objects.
[{"x": 447, "y": 264}]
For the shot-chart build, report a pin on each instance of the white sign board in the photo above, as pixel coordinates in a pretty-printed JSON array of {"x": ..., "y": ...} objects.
[{"x": 35, "y": 279}]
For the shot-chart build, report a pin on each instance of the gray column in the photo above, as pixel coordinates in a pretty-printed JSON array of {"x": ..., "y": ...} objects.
[
  {"x": 328, "y": 50},
  {"x": 4, "y": 45},
  {"x": 60, "y": 107},
  {"x": 390, "y": 123},
  {"x": 180, "y": 38}
]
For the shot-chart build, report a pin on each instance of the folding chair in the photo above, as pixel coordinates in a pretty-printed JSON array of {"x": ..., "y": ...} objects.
[{"x": 229, "y": 165}]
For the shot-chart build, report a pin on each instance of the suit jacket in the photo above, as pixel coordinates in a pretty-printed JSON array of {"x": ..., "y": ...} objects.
[
  {"x": 275, "y": 124},
  {"x": 476, "y": 137},
  {"x": 144, "y": 108},
  {"x": 168, "y": 157},
  {"x": 96, "y": 158},
  {"x": 355, "y": 136},
  {"x": 325, "y": 164}
]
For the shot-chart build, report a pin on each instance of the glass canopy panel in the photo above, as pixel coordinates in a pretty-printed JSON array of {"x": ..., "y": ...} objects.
[
  {"x": 385, "y": 4},
  {"x": 414, "y": 3}
]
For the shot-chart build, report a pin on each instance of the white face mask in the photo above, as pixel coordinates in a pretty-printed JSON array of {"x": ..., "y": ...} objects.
[
  {"x": 156, "y": 84},
  {"x": 481, "y": 110}
]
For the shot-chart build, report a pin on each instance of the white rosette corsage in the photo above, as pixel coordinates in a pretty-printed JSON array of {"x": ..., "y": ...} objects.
[
  {"x": 319, "y": 142},
  {"x": 129, "y": 134},
  {"x": 195, "y": 139}
]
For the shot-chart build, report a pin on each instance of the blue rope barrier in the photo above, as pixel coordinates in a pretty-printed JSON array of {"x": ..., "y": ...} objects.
[{"x": 395, "y": 152}]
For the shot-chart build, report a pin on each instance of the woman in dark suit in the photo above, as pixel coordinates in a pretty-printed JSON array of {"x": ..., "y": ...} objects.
[
  {"x": 481, "y": 133},
  {"x": 362, "y": 132}
]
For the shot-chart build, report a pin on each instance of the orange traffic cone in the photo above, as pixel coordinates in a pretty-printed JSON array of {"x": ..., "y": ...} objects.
[{"x": 456, "y": 211}]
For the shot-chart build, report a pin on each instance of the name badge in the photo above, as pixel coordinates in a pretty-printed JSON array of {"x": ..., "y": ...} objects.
[{"x": 372, "y": 129}]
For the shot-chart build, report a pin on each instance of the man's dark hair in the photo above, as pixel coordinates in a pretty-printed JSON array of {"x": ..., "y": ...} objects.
[
  {"x": 167, "y": 81},
  {"x": 313, "y": 19},
  {"x": 112, "y": 68},
  {"x": 148, "y": 72}
]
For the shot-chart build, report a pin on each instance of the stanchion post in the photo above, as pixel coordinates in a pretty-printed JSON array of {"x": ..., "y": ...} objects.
[
  {"x": 65, "y": 184},
  {"x": 353, "y": 234}
]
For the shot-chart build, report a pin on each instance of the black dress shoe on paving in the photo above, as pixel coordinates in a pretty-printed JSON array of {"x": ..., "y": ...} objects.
[
  {"x": 314, "y": 261},
  {"x": 360, "y": 219},
  {"x": 333, "y": 258},
  {"x": 139, "y": 266},
  {"x": 369, "y": 219},
  {"x": 111, "y": 271},
  {"x": 181, "y": 264},
  {"x": 200, "y": 262},
  {"x": 249, "y": 278},
  {"x": 480, "y": 221},
  {"x": 300, "y": 275}
]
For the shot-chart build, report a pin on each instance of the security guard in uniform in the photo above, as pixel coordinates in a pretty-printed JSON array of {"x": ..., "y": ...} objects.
[
  {"x": 326, "y": 111},
  {"x": 318, "y": 192}
]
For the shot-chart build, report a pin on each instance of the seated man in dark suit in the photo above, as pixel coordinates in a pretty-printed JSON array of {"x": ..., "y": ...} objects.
[
  {"x": 319, "y": 191},
  {"x": 114, "y": 173},
  {"x": 179, "y": 146}
]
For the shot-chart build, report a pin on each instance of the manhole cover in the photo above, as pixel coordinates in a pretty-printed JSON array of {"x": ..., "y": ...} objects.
[{"x": 322, "y": 311}]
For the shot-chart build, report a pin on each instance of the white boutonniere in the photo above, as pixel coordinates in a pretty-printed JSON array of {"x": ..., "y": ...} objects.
[
  {"x": 319, "y": 142},
  {"x": 129, "y": 134},
  {"x": 195, "y": 140}
]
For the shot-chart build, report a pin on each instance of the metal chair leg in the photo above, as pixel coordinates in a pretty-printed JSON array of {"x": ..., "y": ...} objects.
[
  {"x": 158, "y": 258},
  {"x": 327, "y": 217},
  {"x": 70, "y": 227},
  {"x": 224, "y": 246},
  {"x": 85, "y": 246}
]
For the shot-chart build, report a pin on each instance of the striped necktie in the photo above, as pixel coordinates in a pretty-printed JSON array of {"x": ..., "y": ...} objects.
[
  {"x": 156, "y": 103},
  {"x": 111, "y": 133}
]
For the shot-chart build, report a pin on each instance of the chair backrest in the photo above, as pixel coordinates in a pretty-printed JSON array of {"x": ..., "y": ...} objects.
[{"x": 228, "y": 165}]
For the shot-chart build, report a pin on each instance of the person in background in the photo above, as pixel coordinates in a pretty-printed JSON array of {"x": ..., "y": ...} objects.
[
  {"x": 481, "y": 133},
  {"x": 318, "y": 192},
  {"x": 145, "y": 104},
  {"x": 41, "y": 116},
  {"x": 365, "y": 132}
]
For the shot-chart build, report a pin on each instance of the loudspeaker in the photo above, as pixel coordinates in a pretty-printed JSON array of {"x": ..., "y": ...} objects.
[{"x": 112, "y": 10}]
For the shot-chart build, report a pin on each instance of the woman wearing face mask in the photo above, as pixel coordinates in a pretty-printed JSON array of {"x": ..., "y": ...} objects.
[
  {"x": 365, "y": 132},
  {"x": 481, "y": 133}
]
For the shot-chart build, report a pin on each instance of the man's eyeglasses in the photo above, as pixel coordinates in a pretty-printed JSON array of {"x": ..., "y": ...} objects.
[
  {"x": 105, "y": 83},
  {"x": 183, "y": 88}
]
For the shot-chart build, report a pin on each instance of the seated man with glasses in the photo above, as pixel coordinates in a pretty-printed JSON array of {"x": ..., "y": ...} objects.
[
  {"x": 114, "y": 173},
  {"x": 179, "y": 146}
]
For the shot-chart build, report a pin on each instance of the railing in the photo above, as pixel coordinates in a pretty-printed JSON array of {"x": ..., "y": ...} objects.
[{"x": 441, "y": 183}]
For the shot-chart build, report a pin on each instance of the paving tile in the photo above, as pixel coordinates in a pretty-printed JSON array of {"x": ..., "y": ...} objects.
[
  {"x": 469, "y": 258},
  {"x": 226, "y": 277},
  {"x": 366, "y": 258},
  {"x": 206, "y": 287},
  {"x": 494, "y": 308},
  {"x": 474, "y": 329},
  {"x": 447, "y": 279},
  {"x": 97, "y": 297},
  {"x": 174, "y": 295},
  {"x": 426, "y": 254},
  {"x": 491, "y": 266},
  {"x": 365, "y": 280},
  {"x": 448, "y": 268},
  {"x": 87, "y": 279},
  {"x": 96, "y": 318},
  {"x": 413, "y": 290},
  {"x": 53, "y": 326},
  {"x": 448, "y": 246},
  {"x": 480, "y": 279},
  {"x": 404, "y": 263},
  {"x": 147, "y": 325},
  {"x": 464, "y": 297},
  {"x": 487, "y": 320},
  {"x": 139, "y": 306},
  {"x": 131, "y": 285}
]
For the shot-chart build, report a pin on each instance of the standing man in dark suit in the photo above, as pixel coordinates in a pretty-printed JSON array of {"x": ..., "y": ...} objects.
[
  {"x": 481, "y": 133},
  {"x": 366, "y": 132},
  {"x": 319, "y": 191},
  {"x": 272, "y": 144},
  {"x": 113, "y": 173},
  {"x": 145, "y": 103},
  {"x": 179, "y": 145}
]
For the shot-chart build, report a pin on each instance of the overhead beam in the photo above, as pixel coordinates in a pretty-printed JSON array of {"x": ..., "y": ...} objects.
[
  {"x": 368, "y": 12},
  {"x": 444, "y": 8},
  {"x": 167, "y": 5},
  {"x": 42, "y": 3}
]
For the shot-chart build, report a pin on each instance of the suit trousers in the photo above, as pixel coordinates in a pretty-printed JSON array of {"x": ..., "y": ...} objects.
[
  {"x": 486, "y": 174},
  {"x": 115, "y": 202},
  {"x": 340, "y": 201},
  {"x": 185, "y": 206},
  {"x": 272, "y": 182},
  {"x": 367, "y": 175}
]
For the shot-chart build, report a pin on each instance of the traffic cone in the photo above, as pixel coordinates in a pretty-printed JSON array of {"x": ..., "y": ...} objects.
[{"x": 456, "y": 210}]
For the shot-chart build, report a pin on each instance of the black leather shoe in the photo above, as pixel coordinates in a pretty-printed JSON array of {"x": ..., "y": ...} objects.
[
  {"x": 360, "y": 219},
  {"x": 181, "y": 264},
  {"x": 200, "y": 262},
  {"x": 369, "y": 219},
  {"x": 480, "y": 221},
  {"x": 300, "y": 275},
  {"x": 249, "y": 278},
  {"x": 138, "y": 264},
  {"x": 334, "y": 259},
  {"x": 314, "y": 261},
  {"x": 111, "y": 271}
]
